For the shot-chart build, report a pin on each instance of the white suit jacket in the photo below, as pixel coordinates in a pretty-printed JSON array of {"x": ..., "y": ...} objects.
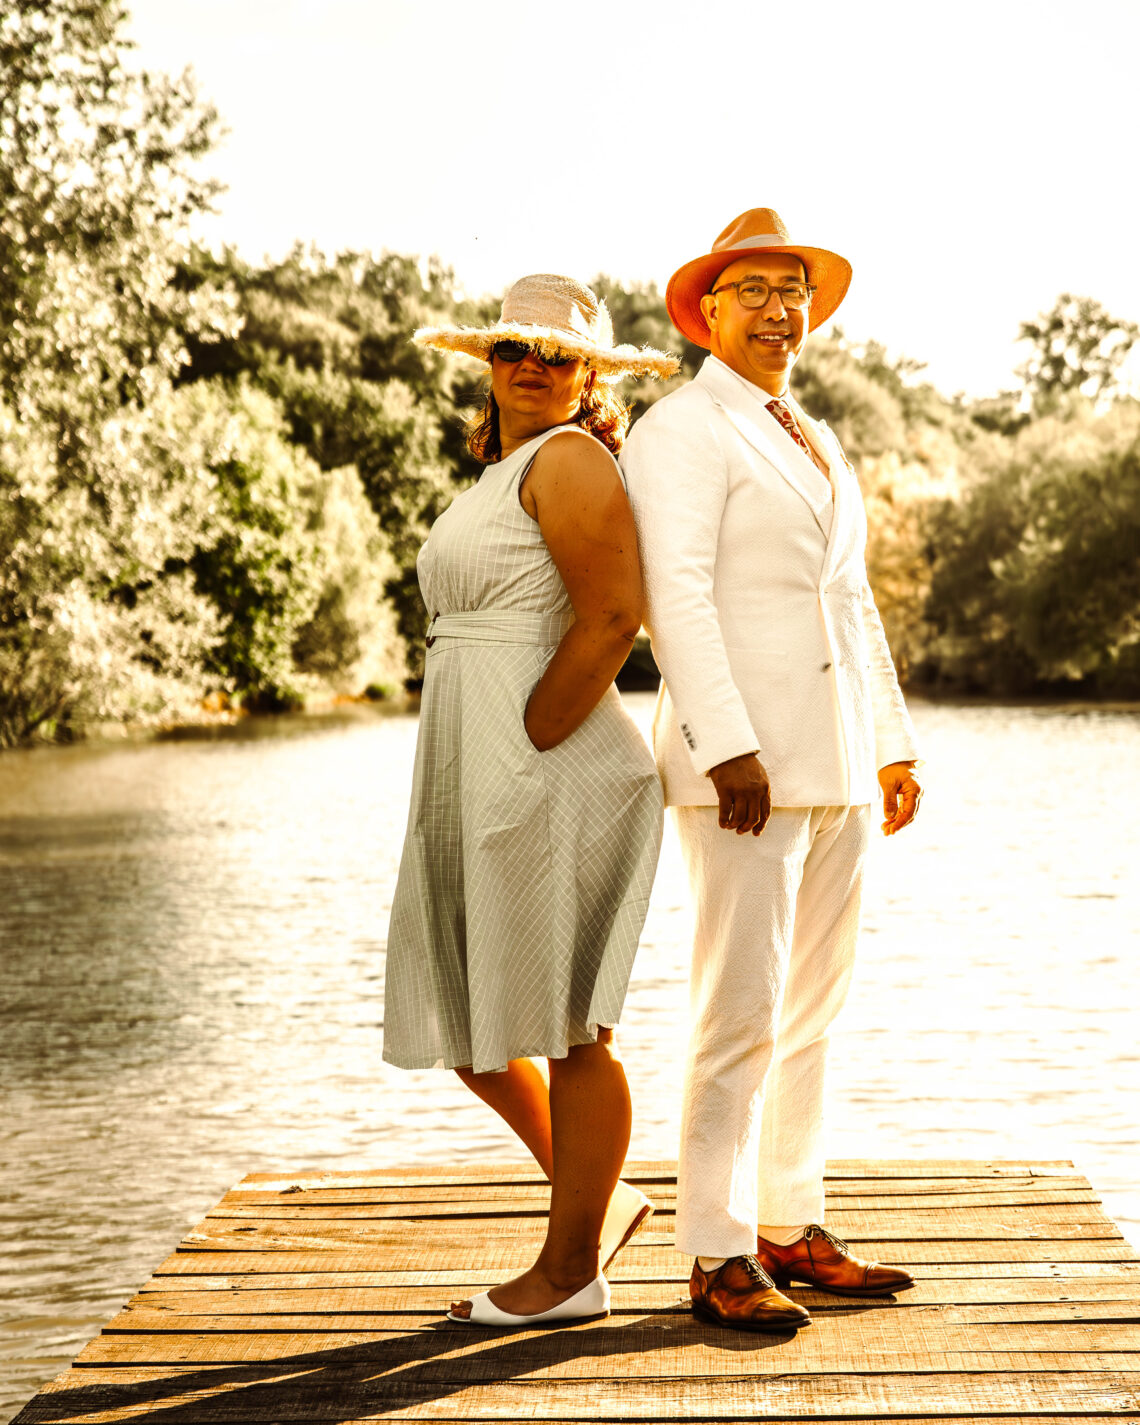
[{"x": 761, "y": 618}]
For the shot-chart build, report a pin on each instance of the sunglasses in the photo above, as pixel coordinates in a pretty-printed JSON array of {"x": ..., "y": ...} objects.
[{"x": 513, "y": 351}]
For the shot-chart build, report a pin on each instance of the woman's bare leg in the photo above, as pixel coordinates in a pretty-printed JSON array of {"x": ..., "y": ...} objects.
[
  {"x": 590, "y": 1121},
  {"x": 590, "y": 1114},
  {"x": 522, "y": 1100}
]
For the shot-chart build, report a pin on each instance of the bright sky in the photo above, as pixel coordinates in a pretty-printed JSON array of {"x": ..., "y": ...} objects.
[{"x": 971, "y": 160}]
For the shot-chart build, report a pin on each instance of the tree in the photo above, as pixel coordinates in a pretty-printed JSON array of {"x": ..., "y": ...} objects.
[
  {"x": 330, "y": 341},
  {"x": 832, "y": 387},
  {"x": 98, "y": 179},
  {"x": 1036, "y": 577},
  {"x": 254, "y": 560},
  {"x": 1077, "y": 566},
  {"x": 393, "y": 438},
  {"x": 1075, "y": 347},
  {"x": 351, "y": 640}
]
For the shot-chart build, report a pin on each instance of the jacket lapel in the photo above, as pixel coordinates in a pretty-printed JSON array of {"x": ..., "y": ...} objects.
[
  {"x": 848, "y": 499},
  {"x": 792, "y": 465}
]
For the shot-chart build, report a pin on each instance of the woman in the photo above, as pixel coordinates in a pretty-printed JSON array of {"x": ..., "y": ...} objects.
[{"x": 536, "y": 810}]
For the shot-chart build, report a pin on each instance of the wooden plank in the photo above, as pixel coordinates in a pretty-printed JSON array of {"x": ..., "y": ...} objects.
[
  {"x": 916, "y": 1186},
  {"x": 286, "y": 1208},
  {"x": 846, "y": 1220},
  {"x": 259, "y": 1395},
  {"x": 929, "y": 1320},
  {"x": 617, "y": 1351},
  {"x": 635, "y": 1262},
  {"x": 283, "y": 1211},
  {"x": 876, "y": 1192},
  {"x": 867, "y": 1329},
  {"x": 485, "y": 1200},
  {"x": 899, "y": 1168},
  {"x": 525, "y": 1234},
  {"x": 662, "y": 1169},
  {"x": 369, "y": 1308},
  {"x": 961, "y": 1224},
  {"x": 866, "y": 1220},
  {"x": 660, "y": 1190},
  {"x": 450, "y": 1174},
  {"x": 613, "y": 1419},
  {"x": 1078, "y": 1278}
]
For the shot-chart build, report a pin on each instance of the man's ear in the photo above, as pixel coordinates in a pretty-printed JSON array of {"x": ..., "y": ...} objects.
[{"x": 708, "y": 310}]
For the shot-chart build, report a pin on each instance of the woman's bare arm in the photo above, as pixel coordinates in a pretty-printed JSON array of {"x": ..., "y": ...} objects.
[{"x": 574, "y": 492}]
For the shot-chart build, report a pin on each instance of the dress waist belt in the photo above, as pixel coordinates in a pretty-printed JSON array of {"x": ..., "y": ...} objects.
[{"x": 501, "y": 626}]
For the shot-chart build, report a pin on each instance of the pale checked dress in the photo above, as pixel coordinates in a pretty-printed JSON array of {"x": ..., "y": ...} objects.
[{"x": 525, "y": 875}]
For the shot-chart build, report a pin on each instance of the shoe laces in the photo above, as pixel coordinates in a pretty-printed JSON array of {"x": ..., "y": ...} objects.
[
  {"x": 756, "y": 1272},
  {"x": 815, "y": 1230}
]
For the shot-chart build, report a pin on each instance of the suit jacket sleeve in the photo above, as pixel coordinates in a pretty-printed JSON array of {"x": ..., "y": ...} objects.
[
  {"x": 677, "y": 479},
  {"x": 895, "y": 740}
]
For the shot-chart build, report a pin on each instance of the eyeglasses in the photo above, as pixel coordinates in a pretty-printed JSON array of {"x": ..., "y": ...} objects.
[
  {"x": 755, "y": 292},
  {"x": 513, "y": 351}
]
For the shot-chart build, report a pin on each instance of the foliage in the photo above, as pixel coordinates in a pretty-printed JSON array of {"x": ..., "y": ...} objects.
[
  {"x": 351, "y": 640},
  {"x": 393, "y": 441},
  {"x": 1076, "y": 348},
  {"x": 330, "y": 341},
  {"x": 900, "y": 496},
  {"x": 1002, "y": 413},
  {"x": 1037, "y": 569},
  {"x": 97, "y": 180},
  {"x": 832, "y": 386},
  {"x": 97, "y": 619},
  {"x": 253, "y": 560},
  {"x": 219, "y": 474}
]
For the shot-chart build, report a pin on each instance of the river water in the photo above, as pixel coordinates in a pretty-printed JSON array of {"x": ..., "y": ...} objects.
[{"x": 192, "y": 937}]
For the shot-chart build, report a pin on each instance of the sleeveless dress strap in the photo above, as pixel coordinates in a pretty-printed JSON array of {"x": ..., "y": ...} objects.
[{"x": 535, "y": 445}]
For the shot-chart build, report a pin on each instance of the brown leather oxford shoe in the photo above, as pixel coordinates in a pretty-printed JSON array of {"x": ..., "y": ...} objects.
[
  {"x": 742, "y": 1295},
  {"x": 822, "y": 1260}
]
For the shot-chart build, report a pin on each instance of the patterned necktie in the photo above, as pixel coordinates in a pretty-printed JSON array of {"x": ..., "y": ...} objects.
[{"x": 788, "y": 421}]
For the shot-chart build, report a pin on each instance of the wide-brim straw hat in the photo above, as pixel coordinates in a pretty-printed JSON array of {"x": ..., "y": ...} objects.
[
  {"x": 759, "y": 230},
  {"x": 558, "y": 317}
]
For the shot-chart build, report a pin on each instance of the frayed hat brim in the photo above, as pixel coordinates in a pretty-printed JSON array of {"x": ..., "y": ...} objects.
[{"x": 611, "y": 363}]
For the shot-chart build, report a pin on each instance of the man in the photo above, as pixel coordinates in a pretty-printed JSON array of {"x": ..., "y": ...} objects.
[{"x": 779, "y": 706}]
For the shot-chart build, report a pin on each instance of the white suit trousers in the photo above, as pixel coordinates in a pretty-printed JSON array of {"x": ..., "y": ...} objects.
[{"x": 777, "y": 916}]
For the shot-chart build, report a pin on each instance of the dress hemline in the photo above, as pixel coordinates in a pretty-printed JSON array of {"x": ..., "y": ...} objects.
[{"x": 440, "y": 1063}]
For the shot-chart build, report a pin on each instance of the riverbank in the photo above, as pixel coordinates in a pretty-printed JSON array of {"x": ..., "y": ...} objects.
[{"x": 216, "y": 718}]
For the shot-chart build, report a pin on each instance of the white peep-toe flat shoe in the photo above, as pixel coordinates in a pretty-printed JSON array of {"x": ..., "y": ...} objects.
[
  {"x": 628, "y": 1212},
  {"x": 592, "y": 1300}
]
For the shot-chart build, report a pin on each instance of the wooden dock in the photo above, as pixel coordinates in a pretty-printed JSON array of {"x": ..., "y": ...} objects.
[{"x": 318, "y": 1297}]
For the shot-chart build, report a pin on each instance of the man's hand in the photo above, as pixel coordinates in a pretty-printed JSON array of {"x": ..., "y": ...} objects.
[
  {"x": 745, "y": 797},
  {"x": 901, "y": 796}
]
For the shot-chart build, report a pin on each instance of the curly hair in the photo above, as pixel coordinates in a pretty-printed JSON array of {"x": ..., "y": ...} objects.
[{"x": 602, "y": 413}]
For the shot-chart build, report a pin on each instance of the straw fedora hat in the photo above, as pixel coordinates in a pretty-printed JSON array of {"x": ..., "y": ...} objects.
[
  {"x": 559, "y": 317},
  {"x": 757, "y": 230}
]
